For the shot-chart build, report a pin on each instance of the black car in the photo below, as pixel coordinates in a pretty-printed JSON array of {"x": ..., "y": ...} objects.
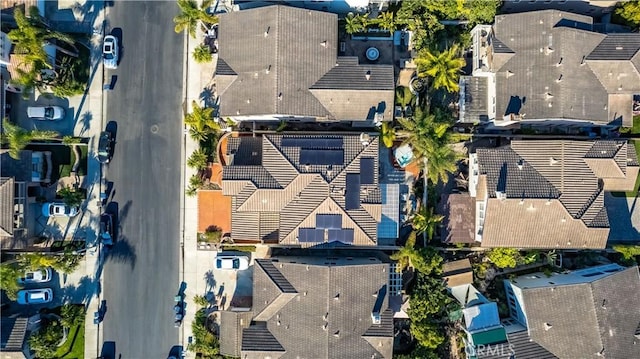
[{"x": 105, "y": 147}]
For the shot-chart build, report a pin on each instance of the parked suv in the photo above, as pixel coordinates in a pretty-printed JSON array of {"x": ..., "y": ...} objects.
[{"x": 45, "y": 112}]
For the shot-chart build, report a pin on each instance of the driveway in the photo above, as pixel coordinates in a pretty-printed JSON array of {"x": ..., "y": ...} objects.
[{"x": 63, "y": 126}]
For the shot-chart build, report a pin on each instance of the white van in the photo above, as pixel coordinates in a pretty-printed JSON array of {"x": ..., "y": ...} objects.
[{"x": 45, "y": 112}]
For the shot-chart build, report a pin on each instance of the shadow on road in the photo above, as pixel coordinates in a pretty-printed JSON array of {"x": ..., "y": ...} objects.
[
  {"x": 122, "y": 252},
  {"x": 108, "y": 350}
]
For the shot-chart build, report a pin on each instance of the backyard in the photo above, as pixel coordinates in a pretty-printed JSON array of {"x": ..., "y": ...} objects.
[{"x": 63, "y": 158}]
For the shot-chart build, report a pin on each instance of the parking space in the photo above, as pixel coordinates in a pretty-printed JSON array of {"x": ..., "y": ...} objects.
[{"x": 63, "y": 126}]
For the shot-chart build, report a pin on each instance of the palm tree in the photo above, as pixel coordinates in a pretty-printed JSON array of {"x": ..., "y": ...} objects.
[
  {"x": 202, "y": 54},
  {"x": 387, "y": 134},
  {"x": 442, "y": 162},
  {"x": 33, "y": 33},
  {"x": 18, "y": 138},
  {"x": 356, "y": 23},
  {"x": 197, "y": 160},
  {"x": 386, "y": 21},
  {"x": 191, "y": 16},
  {"x": 425, "y": 221},
  {"x": 201, "y": 123},
  {"x": 444, "y": 67}
]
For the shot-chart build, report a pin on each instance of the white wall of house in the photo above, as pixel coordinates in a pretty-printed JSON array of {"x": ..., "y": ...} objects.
[{"x": 515, "y": 302}]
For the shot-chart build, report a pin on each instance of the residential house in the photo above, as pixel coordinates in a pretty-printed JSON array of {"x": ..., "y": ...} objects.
[
  {"x": 313, "y": 307},
  {"x": 280, "y": 63},
  {"x": 12, "y": 337},
  {"x": 481, "y": 321},
  {"x": 550, "y": 67},
  {"x": 458, "y": 225},
  {"x": 588, "y": 313},
  {"x": 304, "y": 190},
  {"x": 17, "y": 198},
  {"x": 548, "y": 194}
]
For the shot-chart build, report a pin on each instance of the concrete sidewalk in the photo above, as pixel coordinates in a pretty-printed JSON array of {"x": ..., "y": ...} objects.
[{"x": 195, "y": 263}]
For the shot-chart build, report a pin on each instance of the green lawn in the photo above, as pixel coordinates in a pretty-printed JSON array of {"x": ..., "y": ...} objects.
[
  {"x": 635, "y": 130},
  {"x": 73, "y": 348},
  {"x": 62, "y": 158},
  {"x": 65, "y": 169}
]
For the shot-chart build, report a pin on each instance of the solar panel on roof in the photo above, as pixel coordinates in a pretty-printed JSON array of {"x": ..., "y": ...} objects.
[
  {"x": 322, "y": 157},
  {"x": 328, "y": 221},
  {"x": 352, "y": 192},
  {"x": 310, "y": 235},
  {"x": 311, "y": 143},
  {"x": 341, "y": 235},
  {"x": 367, "y": 167}
]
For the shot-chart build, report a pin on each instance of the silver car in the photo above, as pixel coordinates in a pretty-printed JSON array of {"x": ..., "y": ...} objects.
[
  {"x": 232, "y": 262},
  {"x": 59, "y": 210},
  {"x": 110, "y": 52},
  {"x": 35, "y": 296},
  {"x": 36, "y": 276},
  {"x": 50, "y": 113}
]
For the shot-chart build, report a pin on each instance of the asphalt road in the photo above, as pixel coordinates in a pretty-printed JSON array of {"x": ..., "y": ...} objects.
[{"x": 141, "y": 271}]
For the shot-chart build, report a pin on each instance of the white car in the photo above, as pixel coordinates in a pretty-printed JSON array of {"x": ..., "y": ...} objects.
[
  {"x": 50, "y": 113},
  {"x": 110, "y": 52},
  {"x": 35, "y": 296},
  {"x": 36, "y": 276},
  {"x": 58, "y": 210},
  {"x": 232, "y": 262}
]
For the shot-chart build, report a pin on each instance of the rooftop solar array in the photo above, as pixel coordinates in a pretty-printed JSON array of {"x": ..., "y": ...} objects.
[
  {"x": 328, "y": 221},
  {"x": 321, "y": 157},
  {"x": 367, "y": 169},
  {"x": 310, "y": 143},
  {"x": 352, "y": 192},
  {"x": 310, "y": 235},
  {"x": 341, "y": 235},
  {"x": 389, "y": 223}
]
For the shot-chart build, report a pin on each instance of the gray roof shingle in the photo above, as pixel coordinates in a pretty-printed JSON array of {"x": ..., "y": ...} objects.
[
  {"x": 285, "y": 191},
  {"x": 609, "y": 310},
  {"x": 276, "y": 54},
  {"x": 616, "y": 47},
  {"x": 329, "y": 316}
]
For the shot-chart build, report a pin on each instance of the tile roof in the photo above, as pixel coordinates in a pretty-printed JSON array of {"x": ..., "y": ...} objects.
[
  {"x": 547, "y": 77},
  {"x": 459, "y": 222},
  {"x": 457, "y": 273},
  {"x": 328, "y": 316},
  {"x": 7, "y": 193},
  {"x": 522, "y": 346},
  {"x": 280, "y": 60},
  {"x": 13, "y": 332},
  {"x": 293, "y": 178},
  {"x": 553, "y": 189},
  {"x": 609, "y": 312},
  {"x": 231, "y": 326}
]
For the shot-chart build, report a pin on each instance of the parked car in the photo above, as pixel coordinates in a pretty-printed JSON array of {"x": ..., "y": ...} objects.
[
  {"x": 232, "y": 262},
  {"x": 35, "y": 296},
  {"x": 56, "y": 209},
  {"x": 105, "y": 147},
  {"x": 50, "y": 113},
  {"x": 106, "y": 229},
  {"x": 110, "y": 52},
  {"x": 42, "y": 275}
]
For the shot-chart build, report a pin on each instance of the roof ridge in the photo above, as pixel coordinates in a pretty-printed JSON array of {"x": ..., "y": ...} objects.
[{"x": 277, "y": 99}]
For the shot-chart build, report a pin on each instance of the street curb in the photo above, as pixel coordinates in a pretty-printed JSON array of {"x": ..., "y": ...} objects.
[{"x": 183, "y": 169}]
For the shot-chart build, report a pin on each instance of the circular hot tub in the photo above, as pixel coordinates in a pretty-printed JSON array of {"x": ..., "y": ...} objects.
[{"x": 372, "y": 54}]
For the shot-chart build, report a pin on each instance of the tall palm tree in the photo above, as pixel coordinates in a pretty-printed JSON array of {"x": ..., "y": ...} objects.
[
  {"x": 191, "y": 15},
  {"x": 202, "y": 54},
  {"x": 18, "y": 138},
  {"x": 443, "y": 67},
  {"x": 386, "y": 21},
  {"x": 201, "y": 123},
  {"x": 388, "y": 134},
  {"x": 425, "y": 221},
  {"x": 33, "y": 33},
  {"x": 441, "y": 163}
]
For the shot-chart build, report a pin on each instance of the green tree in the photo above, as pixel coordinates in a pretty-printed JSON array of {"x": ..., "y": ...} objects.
[
  {"x": 9, "y": 275},
  {"x": 200, "y": 122},
  {"x": 44, "y": 341},
  {"x": 387, "y": 134},
  {"x": 201, "y": 301},
  {"x": 442, "y": 67},
  {"x": 355, "y": 23},
  {"x": 403, "y": 96},
  {"x": 202, "y": 54},
  {"x": 386, "y": 21},
  {"x": 441, "y": 163},
  {"x": 481, "y": 11},
  {"x": 428, "y": 335},
  {"x": 425, "y": 221},
  {"x": 505, "y": 257},
  {"x": 198, "y": 160},
  {"x": 191, "y": 15},
  {"x": 204, "y": 343},
  {"x": 629, "y": 11},
  {"x": 71, "y": 196},
  {"x": 628, "y": 251},
  {"x": 72, "y": 314},
  {"x": 424, "y": 260},
  {"x": 18, "y": 138},
  {"x": 66, "y": 262}
]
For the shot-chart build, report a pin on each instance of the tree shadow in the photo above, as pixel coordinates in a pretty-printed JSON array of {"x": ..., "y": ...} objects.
[
  {"x": 210, "y": 281},
  {"x": 82, "y": 293},
  {"x": 122, "y": 252},
  {"x": 208, "y": 96},
  {"x": 85, "y": 120}
]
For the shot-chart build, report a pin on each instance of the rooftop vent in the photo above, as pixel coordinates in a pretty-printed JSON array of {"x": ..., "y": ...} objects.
[
  {"x": 280, "y": 96},
  {"x": 520, "y": 165},
  {"x": 547, "y": 326},
  {"x": 368, "y": 75},
  {"x": 559, "y": 62},
  {"x": 619, "y": 48},
  {"x": 548, "y": 50},
  {"x": 266, "y": 33},
  {"x": 337, "y": 334},
  {"x": 552, "y": 161},
  {"x": 267, "y": 70},
  {"x": 509, "y": 73},
  {"x": 548, "y": 96},
  {"x": 559, "y": 78},
  {"x": 325, "y": 326},
  {"x": 324, "y": 43}
]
